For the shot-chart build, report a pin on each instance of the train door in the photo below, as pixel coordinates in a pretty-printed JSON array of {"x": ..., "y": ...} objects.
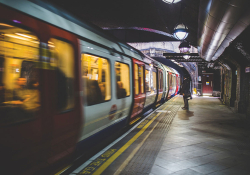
[
  {"x": 164, "y": 84},
  {"x": 177, "y": 84},
  {"x": 107, "y": 86},
  {"x": 170, "y": 84},
  {"x": 139, "y": 90},
  {"x": 167, "y": 85},
  {"x": 173, "y": 85},
  {"x": 63, "y": 85},
  {"x": 150, "y": 85},
  {"x": 160, "y": 85},
  {"x": 207, "y": 84}
]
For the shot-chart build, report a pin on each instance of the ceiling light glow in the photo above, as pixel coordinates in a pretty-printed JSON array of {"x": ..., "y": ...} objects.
[
  {"x": 186, "y": 57},
  {"x": 171, "y": 1},
  {"x": 181, "y": 32},
  {"x": 184, "y": 47}
]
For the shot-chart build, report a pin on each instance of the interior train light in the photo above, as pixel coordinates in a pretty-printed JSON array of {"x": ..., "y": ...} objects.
[
  {"x": 50, "y": 45},
  {"x": 17, "y": 37},
  {"x": 27, "y": 36},
  {"x": 6, "y": 25}
]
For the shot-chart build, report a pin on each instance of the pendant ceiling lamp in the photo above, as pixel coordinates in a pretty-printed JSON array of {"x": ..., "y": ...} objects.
[
  {"x": 186, "y": 56},
  {"x": 171, "y": 1},
  {"x": 184, "y": 47},
  {"x": 180, "y": 30}
]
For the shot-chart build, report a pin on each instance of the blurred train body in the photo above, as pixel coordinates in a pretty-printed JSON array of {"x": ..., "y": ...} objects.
[{"x": 65, "y": 85}]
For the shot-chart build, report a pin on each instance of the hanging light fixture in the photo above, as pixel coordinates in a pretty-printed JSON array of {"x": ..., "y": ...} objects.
[
  {"x": 171, "y": 1},
  {"x": 186, "y": 56},
  {"x": 184, "y": 47},
  {"x": 180, "y": 30}
]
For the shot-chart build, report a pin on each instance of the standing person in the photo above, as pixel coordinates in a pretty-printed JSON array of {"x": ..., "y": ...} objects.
[{"x": 186, "y": 91}]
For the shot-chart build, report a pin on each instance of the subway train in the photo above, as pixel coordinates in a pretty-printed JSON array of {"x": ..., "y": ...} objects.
[{"x": 66, "y": 85}]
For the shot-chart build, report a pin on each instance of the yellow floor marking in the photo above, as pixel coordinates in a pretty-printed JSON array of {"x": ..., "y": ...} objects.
[
  {"x": 58, "y": 173},
  {"x": 134, "y": 120},
  {"x": 119, "y": 170},
  {"x": 124, "y": 147}
]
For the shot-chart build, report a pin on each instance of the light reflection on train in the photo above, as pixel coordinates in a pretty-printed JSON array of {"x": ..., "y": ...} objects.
[{"x": 64, "y": 92}]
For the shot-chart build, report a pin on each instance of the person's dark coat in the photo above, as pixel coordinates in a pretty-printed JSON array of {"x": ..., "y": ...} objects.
[{"x": 185, "y": 87}]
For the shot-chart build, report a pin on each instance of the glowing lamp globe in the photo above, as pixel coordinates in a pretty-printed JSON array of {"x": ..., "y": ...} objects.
[
  {"x": 181, "y": 32},
  {"x": 184, "y": 47}
]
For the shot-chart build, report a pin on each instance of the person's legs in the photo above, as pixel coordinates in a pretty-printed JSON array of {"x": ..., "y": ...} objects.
[
  {"x": 186, "y": 103},
  {"x": 183, "y": 101}
]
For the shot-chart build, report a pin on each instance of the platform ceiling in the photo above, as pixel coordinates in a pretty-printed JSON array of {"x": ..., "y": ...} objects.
[{"x": 128, "y": 15}]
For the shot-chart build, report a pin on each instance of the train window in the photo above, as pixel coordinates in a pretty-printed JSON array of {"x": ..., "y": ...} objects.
[
  {"x": 19, "y": 77},
  {"x": 96, "y": 79},
  {"x": 136, "y": 79},
  {"x": 63, "y": 55},
  {"x": 122, "y": 80},
  {"x": 142, "y": 78}
]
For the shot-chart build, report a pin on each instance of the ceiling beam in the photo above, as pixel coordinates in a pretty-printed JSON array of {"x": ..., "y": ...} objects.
[
  {"x": 180, "y": 54},
  {"x": 198, "y": 60},
  {"x": 194, "y": 57}
]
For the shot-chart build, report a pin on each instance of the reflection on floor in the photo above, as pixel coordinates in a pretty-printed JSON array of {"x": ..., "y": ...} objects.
[{"x": 207, "y": 139}]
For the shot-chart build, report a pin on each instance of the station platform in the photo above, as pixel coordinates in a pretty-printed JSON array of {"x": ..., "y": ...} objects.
[{"x": 207, "y": 139}]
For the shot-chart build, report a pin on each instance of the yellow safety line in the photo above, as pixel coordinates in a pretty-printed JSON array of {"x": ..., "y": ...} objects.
[
  {"x": 124, "y": 147},
  {"x": 61, "y": 171},
  {"x": 119, "y": 170},
  {"x": 134, "y": 121},
  {"x": 58, "y": 173}
]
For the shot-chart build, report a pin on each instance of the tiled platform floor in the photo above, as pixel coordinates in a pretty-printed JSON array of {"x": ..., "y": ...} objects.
[{"x": 207, "y": 139}]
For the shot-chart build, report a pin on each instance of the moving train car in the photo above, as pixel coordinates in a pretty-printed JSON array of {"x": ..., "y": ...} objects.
[{"x": 66, "y": 85}]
